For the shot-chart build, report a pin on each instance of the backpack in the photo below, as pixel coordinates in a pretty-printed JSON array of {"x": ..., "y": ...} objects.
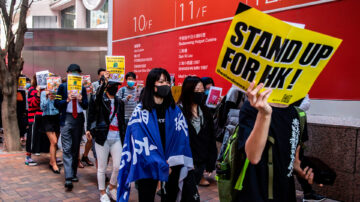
[
  {"x": 230, "y": 172},
  {"x": 220, "y": 116}
]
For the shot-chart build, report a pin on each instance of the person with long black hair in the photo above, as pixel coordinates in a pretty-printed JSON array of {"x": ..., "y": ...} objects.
[
  {"x": 157, "y": 144},
  {"x": 201, "y": 127}
]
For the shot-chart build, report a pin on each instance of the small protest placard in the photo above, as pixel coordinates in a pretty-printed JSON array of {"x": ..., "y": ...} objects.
[
  {"x": 74, "y": 84},
  {"x": 214, "y": 96},
  {"x": 41, "y": 78},
  {"x": 53, "y": 84},
  {"x": 139, "y": 88},
  {"x": 176, "y": 92},
  {"x": 22, "y": 83},
  {"x": 115, "y": 65},
  {"x": 86, "y": 81}
]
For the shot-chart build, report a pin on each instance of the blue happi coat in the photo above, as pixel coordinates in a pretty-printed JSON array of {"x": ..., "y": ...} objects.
[{"x": 143, "y": 155}]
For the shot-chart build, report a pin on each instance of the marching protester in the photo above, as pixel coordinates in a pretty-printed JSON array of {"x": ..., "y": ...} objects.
[
  {"x": 106, "y": 124},
  {"x": 33, "y": 111},
  {"x": 91, "y": 144},
  {"x": 156, "y": 146},
  {"x": 51, "y": 124},
  {"x": 201, "y": 127},
  {"x": 128, "y": 94},
  {"x": 71, "y": 109},
  {"x": 270, "y": 133}
]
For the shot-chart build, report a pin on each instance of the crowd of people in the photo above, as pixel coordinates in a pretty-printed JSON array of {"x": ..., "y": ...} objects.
[{"x": 165, "y": 147}]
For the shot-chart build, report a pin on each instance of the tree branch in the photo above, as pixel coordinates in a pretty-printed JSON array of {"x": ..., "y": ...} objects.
[
  {"x": 12, "y": 5},
  {"x": 19, "y": 44},
  {"x": 5, "y": 15}
]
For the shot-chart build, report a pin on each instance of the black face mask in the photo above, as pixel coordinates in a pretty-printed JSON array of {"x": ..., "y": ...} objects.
[
  {"x": 198, "y": 98},
  {"x": 162, "y": 91},
  {"x": 112, "y": 90}
]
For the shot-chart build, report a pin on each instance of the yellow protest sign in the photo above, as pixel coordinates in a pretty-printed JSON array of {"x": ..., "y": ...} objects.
[
  {"x": 176, "y": 92},
  {"x": 22, "y": 83},
  {"x": 116, "y": 67},
  {"x": 261, "y": 48},
  {"x": 74, "y": 84}
]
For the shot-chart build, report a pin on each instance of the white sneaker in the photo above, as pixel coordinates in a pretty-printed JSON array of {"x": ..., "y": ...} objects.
[
  {"x": 112, "y": 193},
  {"x": 104, "y": 198}
]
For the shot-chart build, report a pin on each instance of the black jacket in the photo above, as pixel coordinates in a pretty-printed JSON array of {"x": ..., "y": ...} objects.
[
  {"x": 99, "y": 116},
  {"x": 203, "y": 144}
]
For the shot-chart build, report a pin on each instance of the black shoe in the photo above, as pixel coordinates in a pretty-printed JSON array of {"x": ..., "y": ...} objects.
[
  {"x": 54, "y": 171},
  {"x": 75, "y": 179},
  {"x": 86, "y": 160},
  {"x": 313, "y": 197},
  {"x": 68, "y": 185}
]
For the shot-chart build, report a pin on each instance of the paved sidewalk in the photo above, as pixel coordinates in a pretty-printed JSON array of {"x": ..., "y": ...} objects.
[{"x": 19, "y": 182}]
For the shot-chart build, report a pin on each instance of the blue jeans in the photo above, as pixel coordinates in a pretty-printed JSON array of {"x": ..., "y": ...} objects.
[{"x": 71, "y": 134}]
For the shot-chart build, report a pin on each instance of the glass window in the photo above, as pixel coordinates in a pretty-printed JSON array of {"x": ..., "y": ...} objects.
[
  {"x": 68, "y": 17},
  {"x": 99, "y": 18},
  {"x": 44, "y": 22}
]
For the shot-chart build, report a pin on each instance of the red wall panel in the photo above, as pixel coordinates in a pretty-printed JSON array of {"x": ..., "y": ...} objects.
[{"x": 194, "y": 50}]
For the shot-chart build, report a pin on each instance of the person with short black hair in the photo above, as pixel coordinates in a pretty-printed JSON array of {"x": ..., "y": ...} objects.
[
  {"x": 71, "y": 108},
  {"x": 201, "y": 127},
  {"x": 128, "y": 95},
  {"x": 96, "y": 84},
  {"x": 208, "y": 82}
]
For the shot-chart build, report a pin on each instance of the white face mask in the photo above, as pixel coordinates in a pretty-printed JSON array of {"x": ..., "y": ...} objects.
[{"x": 75, "y": 73}]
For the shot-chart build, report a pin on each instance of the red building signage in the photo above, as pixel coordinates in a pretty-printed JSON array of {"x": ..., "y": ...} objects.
[{"x": 185, "y": 36}]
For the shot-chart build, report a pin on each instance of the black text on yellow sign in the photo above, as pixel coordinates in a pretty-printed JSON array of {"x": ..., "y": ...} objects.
[{"x": 264, "y": 49}]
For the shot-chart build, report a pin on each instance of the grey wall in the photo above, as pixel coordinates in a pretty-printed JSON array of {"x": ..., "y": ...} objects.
[
  {"x": 55, "y": 49},
  {"x": 335, "y": 108},
  {"x": 339, "y": 148}
]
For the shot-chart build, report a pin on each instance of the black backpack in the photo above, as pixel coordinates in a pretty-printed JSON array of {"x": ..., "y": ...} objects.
[{"x": 221, "y": 114}]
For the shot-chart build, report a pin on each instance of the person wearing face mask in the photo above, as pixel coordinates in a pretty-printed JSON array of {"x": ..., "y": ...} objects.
[
  {"x": 208, "y": 82},
  {"x": 156, "y": 146},
  {"x": 106, "y": 124},
  {"x": 128, "y": 94},
  {"x": 71, "y": 108},
  {"x": 201, "y": 128}
]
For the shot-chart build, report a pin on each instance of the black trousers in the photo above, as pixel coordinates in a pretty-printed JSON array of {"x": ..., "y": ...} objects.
[
  {"x": 147, "y": 188},
  {"x": 198, "y": 172},
  {"x": 29, "y": 138}
]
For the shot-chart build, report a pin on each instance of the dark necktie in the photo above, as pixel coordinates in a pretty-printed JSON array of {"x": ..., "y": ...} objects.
[{"x": 74, "y": 108}]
